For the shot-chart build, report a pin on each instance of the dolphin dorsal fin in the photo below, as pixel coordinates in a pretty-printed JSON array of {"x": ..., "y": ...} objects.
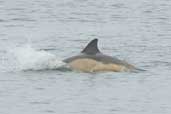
[{"x": 91, "y": 48}]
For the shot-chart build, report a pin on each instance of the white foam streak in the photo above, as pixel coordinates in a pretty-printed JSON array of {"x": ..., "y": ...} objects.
[{"x": 28, "y": 58}]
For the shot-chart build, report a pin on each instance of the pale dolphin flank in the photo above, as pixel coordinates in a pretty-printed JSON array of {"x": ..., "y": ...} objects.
[{"x": 92, "y": 60}]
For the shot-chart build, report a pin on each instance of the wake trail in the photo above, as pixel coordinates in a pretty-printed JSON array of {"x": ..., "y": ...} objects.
[{"x": 27, "y": 58}]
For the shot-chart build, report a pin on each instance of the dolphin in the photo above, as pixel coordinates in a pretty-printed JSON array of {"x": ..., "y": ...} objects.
[{"x": 92, "y": 60}]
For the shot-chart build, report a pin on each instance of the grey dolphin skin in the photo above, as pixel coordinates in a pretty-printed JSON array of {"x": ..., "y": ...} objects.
[{"x": 92, "y": 60}]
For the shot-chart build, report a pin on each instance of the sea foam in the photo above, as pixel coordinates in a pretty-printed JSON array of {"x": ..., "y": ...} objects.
[{"x": 28, "y": 58}]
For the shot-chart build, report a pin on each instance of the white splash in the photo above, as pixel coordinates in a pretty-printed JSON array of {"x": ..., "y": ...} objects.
[{"x": 28, "y": 58}]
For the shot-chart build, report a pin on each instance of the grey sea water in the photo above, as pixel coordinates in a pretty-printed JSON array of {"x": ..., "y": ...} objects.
[{"x": 35, "y": 35}]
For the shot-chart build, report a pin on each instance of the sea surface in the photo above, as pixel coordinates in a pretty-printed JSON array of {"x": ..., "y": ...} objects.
[{"x": 36, "y": 35}]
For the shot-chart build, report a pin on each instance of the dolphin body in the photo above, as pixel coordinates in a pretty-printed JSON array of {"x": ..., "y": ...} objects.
[{"x": 92, "y": 60}]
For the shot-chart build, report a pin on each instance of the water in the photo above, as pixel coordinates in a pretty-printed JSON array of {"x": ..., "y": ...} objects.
[{"x": 35, "y": 35}]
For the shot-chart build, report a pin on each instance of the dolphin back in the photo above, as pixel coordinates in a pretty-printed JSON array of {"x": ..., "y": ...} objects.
[{"x": 91, "y": 55}]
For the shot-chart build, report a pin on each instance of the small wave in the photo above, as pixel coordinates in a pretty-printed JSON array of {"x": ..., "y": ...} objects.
[{"x": 28, "y": 58}]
